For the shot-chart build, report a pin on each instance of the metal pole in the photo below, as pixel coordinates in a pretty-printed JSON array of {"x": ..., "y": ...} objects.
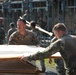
[{"x": 63, "y": 12}]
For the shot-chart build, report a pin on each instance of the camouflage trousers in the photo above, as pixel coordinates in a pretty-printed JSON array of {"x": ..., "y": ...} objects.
[
  {"x": 71, "y": 72},
  {"x": 60, "y": 70}
]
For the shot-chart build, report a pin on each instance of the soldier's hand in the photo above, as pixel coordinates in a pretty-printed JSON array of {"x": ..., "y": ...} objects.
[{"x": 23, "y": 58}]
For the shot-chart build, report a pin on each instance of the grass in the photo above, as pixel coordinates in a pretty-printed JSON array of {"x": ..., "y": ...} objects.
[{"x": 48, "y": 66}]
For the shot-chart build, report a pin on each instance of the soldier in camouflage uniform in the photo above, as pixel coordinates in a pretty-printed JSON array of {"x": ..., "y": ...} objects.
[
  {"x": 23, "y": 36},
  {"x": 66, "y": 45},
  {"x": 59, "y": 62},
  {"x": 2, "y": 36},
  {"x": 37, "y": 32},
  {"x": 11, "y": 30},
  {"x": 2, "y": 32}
]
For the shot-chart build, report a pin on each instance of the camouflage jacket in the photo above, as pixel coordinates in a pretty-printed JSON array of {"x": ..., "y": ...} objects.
[
  {"x": 10, "y": 31},
  {"x": 66, "y": 46},
  {"x": 2, "y": 35},
  {"x": 29, "y": 39},
  {"x": 37, "y": 32}
]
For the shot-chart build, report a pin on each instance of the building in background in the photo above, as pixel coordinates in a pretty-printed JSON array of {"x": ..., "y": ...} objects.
[{"x": 45, "y": 12}]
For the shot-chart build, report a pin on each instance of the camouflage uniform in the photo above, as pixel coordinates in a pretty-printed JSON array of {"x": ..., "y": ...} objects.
[
  {"x": 29, "y": 39},
  {"x": 10, "y": 31},
  {"x": 2, "y": 35},
  {"x": 60, "y": 64},
  {"x": 67, "y": 47},
  {"x": 37, "y": 32},
  {"x": 42, "y": 61}
]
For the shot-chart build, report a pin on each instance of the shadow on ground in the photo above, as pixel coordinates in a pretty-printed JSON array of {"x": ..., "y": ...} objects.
[{"x": 50, "y": 73}]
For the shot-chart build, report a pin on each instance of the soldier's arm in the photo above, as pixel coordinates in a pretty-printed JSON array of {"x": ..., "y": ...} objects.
[
  {"x": 53, "y": 48},
  {"x": 12, "y": 40},
  {"x": 53, "y": 39}
]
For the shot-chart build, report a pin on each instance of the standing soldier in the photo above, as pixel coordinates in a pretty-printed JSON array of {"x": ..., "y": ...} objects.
[
  {"x": 23, "y": 36},
  {"x": 11, "y": 30},
  {"x": 1, "y": 22},
  {"x": 37, "y": 32},
  {"x": 65, "y": 44},
  {"x": 2, "y": 33}
]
